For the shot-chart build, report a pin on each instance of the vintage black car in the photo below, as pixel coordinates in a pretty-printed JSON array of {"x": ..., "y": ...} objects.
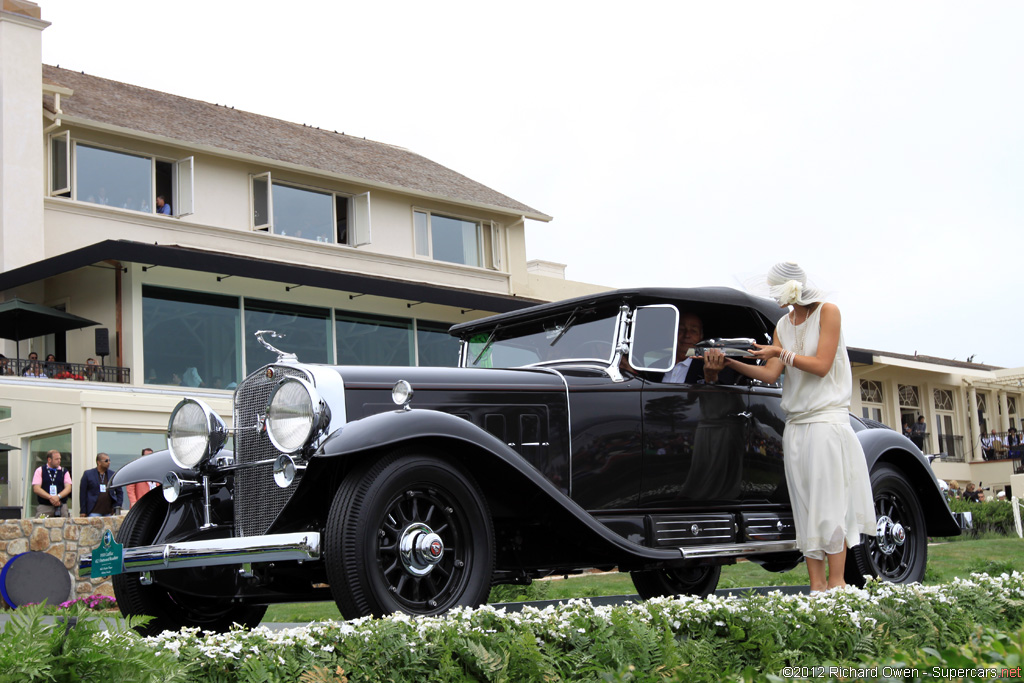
[{"x": 555, "y": 447}]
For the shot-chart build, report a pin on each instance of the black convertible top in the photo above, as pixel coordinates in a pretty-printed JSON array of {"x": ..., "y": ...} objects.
[{"x": 768, "y": 310}]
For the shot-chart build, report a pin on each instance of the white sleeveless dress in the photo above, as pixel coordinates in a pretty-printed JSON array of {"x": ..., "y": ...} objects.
[{"x": 826, "y": 472}]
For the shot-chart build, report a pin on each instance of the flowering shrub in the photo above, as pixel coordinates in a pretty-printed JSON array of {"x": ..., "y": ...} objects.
[
  {"x": 68, "y": 375},
  {"x": 682, "y": 638},
  {"x": 92, "y": 602},
  {"x": 678, "y": 639}
]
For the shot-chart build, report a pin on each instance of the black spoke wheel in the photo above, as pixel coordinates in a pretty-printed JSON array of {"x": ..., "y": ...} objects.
[
  {"x": 899, "y": 551},
  {"x": 409, "y": 533},
  {"x": 170, "y": 610},
  {"x": 655, "y": 583}
]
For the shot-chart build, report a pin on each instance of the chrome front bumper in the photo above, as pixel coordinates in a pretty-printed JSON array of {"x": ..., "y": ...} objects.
[{"x": 250, "y": 549}]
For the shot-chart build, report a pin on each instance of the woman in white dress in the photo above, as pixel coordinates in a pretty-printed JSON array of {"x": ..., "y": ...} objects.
[{"x": 826, "y": 472}]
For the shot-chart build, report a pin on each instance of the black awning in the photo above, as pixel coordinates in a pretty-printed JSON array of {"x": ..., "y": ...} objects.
[
  {"x": 185, "y": 258},
  {"x": 860, "y": 356}
]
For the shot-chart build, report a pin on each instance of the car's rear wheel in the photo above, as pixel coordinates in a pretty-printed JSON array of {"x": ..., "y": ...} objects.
[
  {"x": 899, "y": 552},
  {"x": 410, "y": 533},
  {"x": 171, "y": 610},
  {"x": 654, "y": 583}
]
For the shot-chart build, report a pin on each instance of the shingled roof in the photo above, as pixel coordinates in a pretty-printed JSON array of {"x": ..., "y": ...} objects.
[{"x": 193, "y": 122}]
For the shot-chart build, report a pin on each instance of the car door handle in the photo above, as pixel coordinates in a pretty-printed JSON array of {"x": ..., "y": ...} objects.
[{"x": 746, "y": 415}]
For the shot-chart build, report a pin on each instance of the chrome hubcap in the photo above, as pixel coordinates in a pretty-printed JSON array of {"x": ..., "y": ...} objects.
[
  {"x": 420, "y": 549},
  {"x": 890, "y": 535}
]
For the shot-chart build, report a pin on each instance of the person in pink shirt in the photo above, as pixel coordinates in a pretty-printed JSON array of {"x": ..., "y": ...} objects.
[
  {"x": 52, "y": 485},
  {"x": 140, "y": 488}
]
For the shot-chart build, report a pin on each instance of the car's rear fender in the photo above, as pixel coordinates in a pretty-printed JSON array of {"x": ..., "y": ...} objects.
[{"x": 883, "y": 446}]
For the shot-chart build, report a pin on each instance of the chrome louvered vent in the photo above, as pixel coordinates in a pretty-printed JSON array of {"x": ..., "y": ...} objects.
[
  {"x": 258, "y": 500},
  {"x": 678, "y": 530}
]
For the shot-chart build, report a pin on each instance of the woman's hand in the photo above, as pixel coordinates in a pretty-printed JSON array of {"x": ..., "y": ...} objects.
[{"x": 765, "y": 352}]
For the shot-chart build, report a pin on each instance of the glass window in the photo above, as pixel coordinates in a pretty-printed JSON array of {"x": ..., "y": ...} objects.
[
  {"x": 60, "y": 155},
  {"x": 307, "y": 332},
  {"x": 450, "y": 239},
  {"x": 124, "y": 447},
  {"x": 435, "y": 346},
  {"x": 373, "y": 340},
  {"x": 908, "y": 396},
  {"x": 113, "y": 178},
  {"x": 190, "y": 338},
  {"x": 943, "y": 399},
  {"x": 37, "y": 450},
  {"x": 563, "y": 337},
  {"x": 419, "y": 220},
  {"x": 5, "y": 412},
  {"x": 303, "y": 213},
  {"x": 870, "y": 391}
]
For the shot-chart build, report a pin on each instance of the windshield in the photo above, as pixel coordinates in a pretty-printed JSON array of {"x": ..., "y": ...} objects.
[{"x": 579, "y": 335}]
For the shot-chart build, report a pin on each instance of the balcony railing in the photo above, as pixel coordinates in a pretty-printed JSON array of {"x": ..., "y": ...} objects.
[{"x": 83, "y": 372}]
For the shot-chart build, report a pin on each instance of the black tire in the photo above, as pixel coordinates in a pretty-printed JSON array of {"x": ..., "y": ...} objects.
[
  {"x": 656, "y": 583},
  {"x": 417, "y": 499},
  {"x": 896, "y": 508},
  {"x": 169, "y": 609}
]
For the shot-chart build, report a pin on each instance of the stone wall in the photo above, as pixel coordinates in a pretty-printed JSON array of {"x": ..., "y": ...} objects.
[{"x": 63, "y": 537}]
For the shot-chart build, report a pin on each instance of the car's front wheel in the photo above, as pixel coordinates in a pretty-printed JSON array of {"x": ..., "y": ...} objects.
[
  {"x": 654, "y": 583},
  {"x": 409, "y": 533},
  {"x": 171, "y": 610},
  {"x": 899, "y": 551}
]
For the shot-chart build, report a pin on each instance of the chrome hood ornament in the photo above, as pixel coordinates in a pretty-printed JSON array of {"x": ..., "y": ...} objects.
[{"x": 282, "y": 356}]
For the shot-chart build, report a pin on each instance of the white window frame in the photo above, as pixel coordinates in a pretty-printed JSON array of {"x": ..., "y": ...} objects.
[
  {"x": 65, "y": 188},
  {"x": 358, "y": 219},
  {"x": 153, "y": 159},
  {"x": 268, "y": 224},
  {"x": 183, "y": 186},
  {"x": 480, "y": 224}
]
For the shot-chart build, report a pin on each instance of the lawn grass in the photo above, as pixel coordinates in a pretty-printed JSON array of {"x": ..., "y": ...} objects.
[{"x": 946, "y": 561}]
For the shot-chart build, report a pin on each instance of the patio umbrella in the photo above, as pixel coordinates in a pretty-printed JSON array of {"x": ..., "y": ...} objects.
[{"x": 23, "y": 320}]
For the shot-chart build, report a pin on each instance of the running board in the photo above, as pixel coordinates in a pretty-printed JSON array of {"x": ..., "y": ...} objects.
[{"x": 737, "y": 549}]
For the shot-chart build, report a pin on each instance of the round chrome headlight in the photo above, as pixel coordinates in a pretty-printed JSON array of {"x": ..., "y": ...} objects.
[
  {"x": 194, "y": 433},
  {"x": 401, "y": 393},
  {"x": 295, "y": 414}
]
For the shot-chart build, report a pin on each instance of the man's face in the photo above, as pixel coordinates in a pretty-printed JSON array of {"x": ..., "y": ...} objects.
[
  {"x": 33, "y": 356},
  {"x": 102, "y": 463},
  {"x": 691, "y": 331},
  {"x": 53, "y": 460}
]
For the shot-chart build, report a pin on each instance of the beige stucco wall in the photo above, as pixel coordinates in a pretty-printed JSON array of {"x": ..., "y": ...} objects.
[{"x": 21, "y": 127}]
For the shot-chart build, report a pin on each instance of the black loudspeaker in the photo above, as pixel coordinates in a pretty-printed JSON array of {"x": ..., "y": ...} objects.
[{"x": 102, "y": 341}]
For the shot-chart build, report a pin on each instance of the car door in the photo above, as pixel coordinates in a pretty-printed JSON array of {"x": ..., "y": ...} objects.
[{"x": 695, "y": 444}]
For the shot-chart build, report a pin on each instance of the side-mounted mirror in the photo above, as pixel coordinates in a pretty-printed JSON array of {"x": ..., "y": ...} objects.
[{"x": 652, "y": 339}]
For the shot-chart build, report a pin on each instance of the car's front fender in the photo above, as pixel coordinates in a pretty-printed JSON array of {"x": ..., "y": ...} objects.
[
  {"x": 498, "y": 469},
  {"x": 150, "y": 467}
]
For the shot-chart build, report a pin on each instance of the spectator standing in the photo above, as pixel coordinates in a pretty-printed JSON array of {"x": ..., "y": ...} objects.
[
  {"x": 988, "y": 449},
  {"x": 95, "y": 497},
  {"x": 34, "y": 368},
  {"x": 971, "y": 493},
  {"x": 162, "y": 206},
  {"x": 52, "y": 485},
  {"x": 920, "y": 429},
  {"x": 140, "y": 488}
]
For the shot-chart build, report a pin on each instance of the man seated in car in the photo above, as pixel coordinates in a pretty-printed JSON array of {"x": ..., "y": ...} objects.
[{"x": 710, "y": 369}]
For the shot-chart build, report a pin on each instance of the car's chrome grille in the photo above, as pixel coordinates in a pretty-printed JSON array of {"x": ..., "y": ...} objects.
[{"x": 258, "y": 500}]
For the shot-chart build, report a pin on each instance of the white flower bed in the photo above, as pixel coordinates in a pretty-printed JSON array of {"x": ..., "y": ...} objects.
[{"x": 687, "y": 617}]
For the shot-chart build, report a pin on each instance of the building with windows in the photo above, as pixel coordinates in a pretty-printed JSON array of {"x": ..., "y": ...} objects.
[
  {"x": 182, "y": 227},
  {"x": 960, "y": 403}
]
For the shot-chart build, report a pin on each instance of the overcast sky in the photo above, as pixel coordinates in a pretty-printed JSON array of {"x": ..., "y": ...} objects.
[{"x": 878, "y": 144}]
